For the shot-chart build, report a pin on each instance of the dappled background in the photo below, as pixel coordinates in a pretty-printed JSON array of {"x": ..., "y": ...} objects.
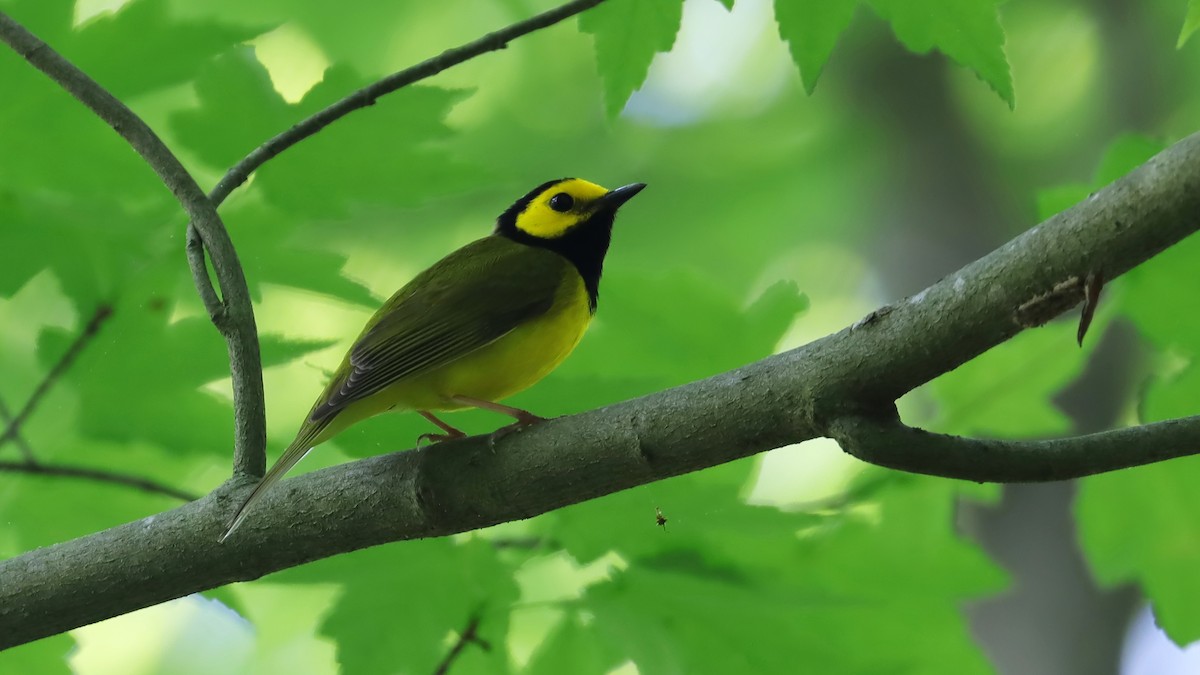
[{"x": 772, "y": 218}]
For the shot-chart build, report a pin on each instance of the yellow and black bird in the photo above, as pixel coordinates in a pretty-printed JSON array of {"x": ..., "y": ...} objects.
[{"x": 483, "y": 323}]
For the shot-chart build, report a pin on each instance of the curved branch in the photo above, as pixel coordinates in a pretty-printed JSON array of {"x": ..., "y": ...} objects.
[
  {"x": 368, "y": 95},
  {"x": 72, "y": 471},
  {"x": 464, "y": 485},
  {"x": 889, "y": 443},
  {"x": 237, "y": 319}
]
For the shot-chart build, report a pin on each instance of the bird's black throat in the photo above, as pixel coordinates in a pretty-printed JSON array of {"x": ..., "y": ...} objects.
[{"x": 584, "y": 245}]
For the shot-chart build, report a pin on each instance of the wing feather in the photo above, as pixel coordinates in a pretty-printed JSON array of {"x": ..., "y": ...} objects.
[{"x": 468, "y": 300}]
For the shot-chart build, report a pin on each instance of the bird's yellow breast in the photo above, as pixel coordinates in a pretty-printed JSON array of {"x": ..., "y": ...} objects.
[{"x": 498, "y": 370}]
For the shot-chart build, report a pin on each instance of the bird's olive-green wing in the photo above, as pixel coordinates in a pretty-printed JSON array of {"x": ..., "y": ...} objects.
[{"x": 469, "y": 299}]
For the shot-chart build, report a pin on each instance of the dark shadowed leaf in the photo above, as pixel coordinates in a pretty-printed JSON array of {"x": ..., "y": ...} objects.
[{"x": 967, "y": 31}]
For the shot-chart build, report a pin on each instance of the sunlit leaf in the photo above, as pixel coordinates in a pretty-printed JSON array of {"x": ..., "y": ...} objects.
[
  {"x": 811, "y": 29},
  {"x": 628, "y": 34},
  {"x": 1190, "y": 24},
  {"x": 44, "y": 657}
]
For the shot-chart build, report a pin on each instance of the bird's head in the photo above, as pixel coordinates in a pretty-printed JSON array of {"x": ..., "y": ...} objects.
[
  {"x": 571, "y": 217},
  {"x": 561, "y": 208}
]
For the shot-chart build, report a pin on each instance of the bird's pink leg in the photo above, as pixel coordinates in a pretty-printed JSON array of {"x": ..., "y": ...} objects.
[
  {"x": 451, "y": 432},
  {"x": 523, "y": 418}
]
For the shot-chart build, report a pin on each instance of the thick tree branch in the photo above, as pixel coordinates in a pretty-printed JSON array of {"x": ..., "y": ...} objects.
[
  {"x": 236, "y": 321},
  {"x": 71, "y": 471},
  {"x": 463, "y": 485},
  {"x": 887, "y": 442},
  {"x": 56, "y": 371},
  {"x": 368, "y": 95}
]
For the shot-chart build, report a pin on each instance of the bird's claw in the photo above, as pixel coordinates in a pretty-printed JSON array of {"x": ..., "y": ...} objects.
[
  {"x": 526, "y": 419},
  {"x": 438, "y": 438}
]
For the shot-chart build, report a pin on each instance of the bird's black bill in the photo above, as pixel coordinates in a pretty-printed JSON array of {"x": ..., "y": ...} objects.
[{"x": 615, "y": 198}]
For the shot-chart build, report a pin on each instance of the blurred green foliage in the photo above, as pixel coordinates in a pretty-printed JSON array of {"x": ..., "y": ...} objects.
[{"x": 725, "y": 259}]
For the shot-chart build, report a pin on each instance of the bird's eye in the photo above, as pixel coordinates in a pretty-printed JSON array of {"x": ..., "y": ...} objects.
[{"x": 562, "y": 202}]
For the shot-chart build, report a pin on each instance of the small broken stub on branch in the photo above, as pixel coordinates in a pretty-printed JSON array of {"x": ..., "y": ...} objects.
[
  {"x": 1066, "y": 294},
  {"x": 872, "y": 318},
  {"x": 1091, "y": 298},
  {"x": 1043, "y": 307}
]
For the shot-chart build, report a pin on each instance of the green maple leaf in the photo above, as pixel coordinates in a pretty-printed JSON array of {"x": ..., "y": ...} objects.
[{"x": 628, "y": 34}]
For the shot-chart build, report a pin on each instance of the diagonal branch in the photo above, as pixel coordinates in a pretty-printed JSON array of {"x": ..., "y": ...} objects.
[
  {"x": 236, "y": 321},
  {"x": 72, "y": 471},
  {"x": 886, "y": 442},
  {"x": 58, "y": 370},
  {"x": 790, "y": 397}
]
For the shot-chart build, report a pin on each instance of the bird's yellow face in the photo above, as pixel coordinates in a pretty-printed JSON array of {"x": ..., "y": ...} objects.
[{"x": 559, "y": 207}]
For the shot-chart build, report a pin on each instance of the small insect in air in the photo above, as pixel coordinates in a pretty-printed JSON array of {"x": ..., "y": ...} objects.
[{"x": 660, "y": 518}]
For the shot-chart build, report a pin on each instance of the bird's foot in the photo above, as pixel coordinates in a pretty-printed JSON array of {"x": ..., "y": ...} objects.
[
  {"x": 450, "y": 432},
  {"x": 524, "y": 419},
  {"x": 438, "y": 438}
]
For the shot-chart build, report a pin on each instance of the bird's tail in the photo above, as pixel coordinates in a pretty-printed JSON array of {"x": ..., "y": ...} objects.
[{"x": 294, "y": 453}]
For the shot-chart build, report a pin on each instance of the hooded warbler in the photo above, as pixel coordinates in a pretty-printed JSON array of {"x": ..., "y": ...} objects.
[{"x": 481, "y": 324}]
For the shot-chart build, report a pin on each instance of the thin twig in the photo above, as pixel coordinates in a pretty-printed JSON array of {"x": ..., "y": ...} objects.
[
  {"x": 61, "y": 367},
  {"x": 236, "y": 320},
  {"x": 468, "y": 636},
  {"x": 7, "y": 417},
  {"x": 71, "y": 471},
  {"x": 367, "y": 95}
]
